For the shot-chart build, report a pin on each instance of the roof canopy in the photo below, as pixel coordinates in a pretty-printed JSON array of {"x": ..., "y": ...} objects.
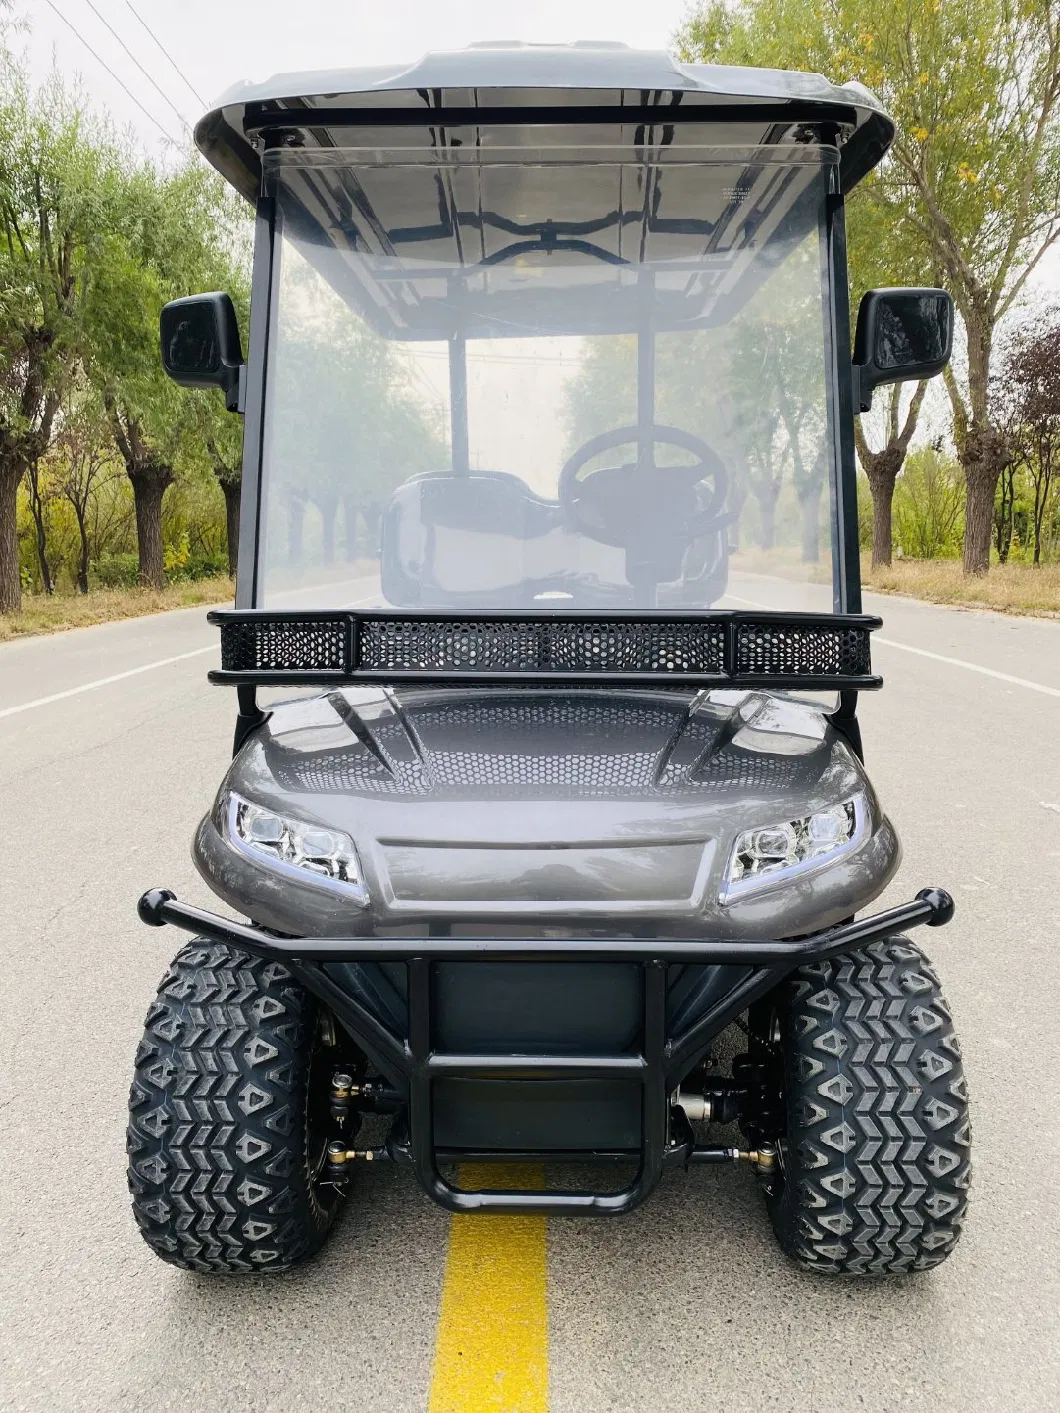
[{"x": 493, "y": 88}]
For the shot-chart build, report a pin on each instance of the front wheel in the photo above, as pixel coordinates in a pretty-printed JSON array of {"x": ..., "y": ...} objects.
[
  {"x": 228, "y": 1116},
  {"x": 874, "y": 1160}
]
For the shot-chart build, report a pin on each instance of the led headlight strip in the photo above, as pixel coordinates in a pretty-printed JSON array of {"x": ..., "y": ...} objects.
[
  {"x": 308, "y": 852},
  {"x": 776, "y": 853}
]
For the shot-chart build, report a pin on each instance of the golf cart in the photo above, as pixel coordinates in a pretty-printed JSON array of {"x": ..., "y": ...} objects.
[{"x": 549, "y": 540}]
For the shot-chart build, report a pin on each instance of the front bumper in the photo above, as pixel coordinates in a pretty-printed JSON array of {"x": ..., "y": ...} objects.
[{"x": 657, "y": 1067}]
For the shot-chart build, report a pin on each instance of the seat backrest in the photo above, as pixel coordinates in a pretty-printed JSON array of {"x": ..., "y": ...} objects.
[{"x": 483, "y": 540}]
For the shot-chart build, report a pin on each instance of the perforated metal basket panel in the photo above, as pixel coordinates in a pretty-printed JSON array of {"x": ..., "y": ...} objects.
[
  {"x": 264, "y": 644},
  {"x": 707, "y": 649},
  {"x": 786, "y": 650},
  {"x": 546, "y": 646}
]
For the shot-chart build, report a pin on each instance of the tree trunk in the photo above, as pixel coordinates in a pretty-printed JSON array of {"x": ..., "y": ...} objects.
[
  {"x": 978, "y": 520},
  {"x": 1003, "y": 513},
  {"x": 767, "y": 507},
  {"x": 36, "y": 506},
  {"x": 1042, "y": 486},
  {"x": 882, "y": 488},
  {"x": 295, "y": 521},
  {"x": 882, "y": 468},
  {"x": 18, "y": 452},
  {"x": 10, "y": 578},
  {"x": 83, "y": 559},
  {"x": 150, "y": 482},
  {"x": 736, "y": 501},
  {"x": 983, "y": 457},
  {"x": 982, "y": 449},
  {"x": 351, "y": 528},
  {"x": 328, "y": 511},
  {"x": 47, "y": 582},
  {"x": 810, "y": 502},
  {"x": 372, "y": 515},
  {"x": 232, "y": 490}
]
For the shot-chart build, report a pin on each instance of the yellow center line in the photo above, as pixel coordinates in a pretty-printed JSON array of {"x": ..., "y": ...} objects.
[{"x": 491, "y": 1353}]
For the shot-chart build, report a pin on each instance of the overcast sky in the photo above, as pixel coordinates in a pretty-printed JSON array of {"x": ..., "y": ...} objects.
[{"x": 217, "y": 42}]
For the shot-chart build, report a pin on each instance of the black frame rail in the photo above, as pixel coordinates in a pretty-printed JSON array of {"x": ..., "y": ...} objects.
[
  {"x": 659, "y": 1065},
  {"x": 725, "y": 648},
  {"x": 268, "y": 120}
]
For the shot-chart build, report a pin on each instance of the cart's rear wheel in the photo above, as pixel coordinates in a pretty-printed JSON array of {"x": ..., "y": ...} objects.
[
  {"x": 874, "y": 1164},
  {"x": 228, "y": 1116}
]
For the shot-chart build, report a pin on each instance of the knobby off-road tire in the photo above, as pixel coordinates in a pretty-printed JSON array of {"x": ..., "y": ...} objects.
[
  {"x": 228, "y": 1076},
  {"x": 875, "y": 1162}
]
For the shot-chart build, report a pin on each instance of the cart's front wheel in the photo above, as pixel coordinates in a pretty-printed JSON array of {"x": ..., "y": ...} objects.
[
  {"x": 874, "y": 1167},
  {"x": 228, "y": 1116}
]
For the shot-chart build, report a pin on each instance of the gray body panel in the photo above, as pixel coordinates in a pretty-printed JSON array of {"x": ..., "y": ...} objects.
[{"x": 596, "y": 809}]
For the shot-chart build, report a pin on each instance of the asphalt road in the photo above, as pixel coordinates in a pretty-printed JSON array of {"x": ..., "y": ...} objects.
[{"x": 687, "y": 1304}]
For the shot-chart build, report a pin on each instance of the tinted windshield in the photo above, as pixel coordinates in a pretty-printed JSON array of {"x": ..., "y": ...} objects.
[{"x": 544, "y": 380}]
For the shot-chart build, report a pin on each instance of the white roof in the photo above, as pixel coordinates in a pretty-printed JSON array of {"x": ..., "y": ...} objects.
[{"x": 531, "y": 75}]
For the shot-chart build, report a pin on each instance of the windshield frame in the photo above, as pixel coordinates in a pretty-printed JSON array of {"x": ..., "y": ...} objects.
[{"x": 846, "y": 586}]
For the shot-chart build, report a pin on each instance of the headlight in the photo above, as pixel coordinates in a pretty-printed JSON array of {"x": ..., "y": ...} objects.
[
  {"x": 775, "y": 853},
  {"x": 290, "y": 846}
]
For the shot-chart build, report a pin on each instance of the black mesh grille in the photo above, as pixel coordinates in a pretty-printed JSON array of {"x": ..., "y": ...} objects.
[
  {"x": 597, "y": 748},
  {"x": 344, "y": 772},
  {"x": 563, "y": 646},
  {"x": 785, "y": 650},
  {"x": 264, "y": 644},
  {"x": 616, "y": 724},
  {"x": 605, "y": 749},
  {"x": 735, "y": 769}
]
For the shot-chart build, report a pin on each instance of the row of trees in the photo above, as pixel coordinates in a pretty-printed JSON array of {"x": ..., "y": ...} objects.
[
  {"x": 1028, "y": 401},
  {"x": 93, "y": 240},
  {"x": 99, "y": 454},
  {"x": 109, "y": 472},
  {"x": 968, "y": 198}
]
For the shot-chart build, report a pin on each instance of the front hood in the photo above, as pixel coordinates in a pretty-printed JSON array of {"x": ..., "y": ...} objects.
[
  {"x": 534, "y": 805},
  {"x": 493, "y": 745}
]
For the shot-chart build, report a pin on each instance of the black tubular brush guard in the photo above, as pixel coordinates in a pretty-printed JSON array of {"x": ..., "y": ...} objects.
[{"x": 660, "y": 1062}]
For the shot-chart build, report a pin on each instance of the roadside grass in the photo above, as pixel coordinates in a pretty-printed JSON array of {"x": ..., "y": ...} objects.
[
  {"x": 42, "y": 613},
  {"x": 1008, "y": 588}
]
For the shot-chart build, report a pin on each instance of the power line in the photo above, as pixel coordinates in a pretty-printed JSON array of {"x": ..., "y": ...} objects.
[
  {"x": 132, "y": 56},
  {"x": 77, "y": 34},
  {"x": 180, "y": 72}
]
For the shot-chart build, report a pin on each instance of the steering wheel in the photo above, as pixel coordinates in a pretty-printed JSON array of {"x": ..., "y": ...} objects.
[{"x": 652, "y": 512}]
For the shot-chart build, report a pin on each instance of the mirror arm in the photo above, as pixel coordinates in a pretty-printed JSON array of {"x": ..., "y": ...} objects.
[
  {"x": 236, "y": 390},
  {"x": 861, "y": 388}
]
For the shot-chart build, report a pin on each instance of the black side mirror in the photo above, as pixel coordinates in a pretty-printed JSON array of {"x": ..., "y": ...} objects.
[
  {"x": 902, "y": 334},
  {"x": 200, "y": 344}
]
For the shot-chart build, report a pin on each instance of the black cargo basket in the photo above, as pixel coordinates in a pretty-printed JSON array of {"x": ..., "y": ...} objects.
[{"x": 804, "y": 650}]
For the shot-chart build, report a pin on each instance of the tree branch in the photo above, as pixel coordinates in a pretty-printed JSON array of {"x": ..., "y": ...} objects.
[
  {"x": 960, "y": 411},
  {"x": 912, "y": 416}
]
